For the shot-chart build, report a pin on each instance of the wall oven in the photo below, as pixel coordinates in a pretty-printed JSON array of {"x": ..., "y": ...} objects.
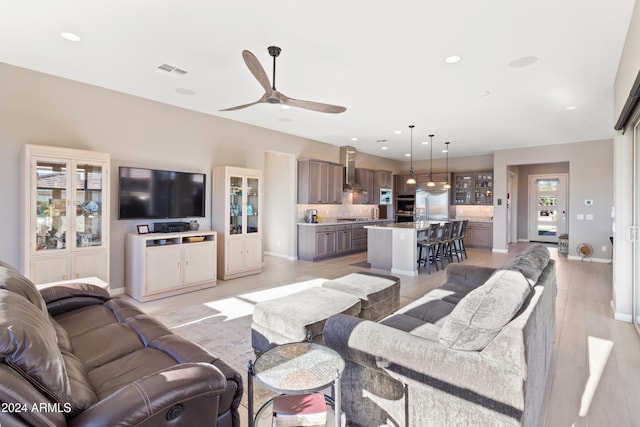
[{"x": 405, "y": 208}]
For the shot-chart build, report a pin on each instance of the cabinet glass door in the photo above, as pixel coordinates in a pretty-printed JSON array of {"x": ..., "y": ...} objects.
[
  {"x": 235, "y": 204},
  {"x": 253, "y": 207},
  {"x": 462, "y": 189},
  {"x": 88, "y": 205},
  {"x": 51, "y": 205},
  {"x": 484, "y": 189}
]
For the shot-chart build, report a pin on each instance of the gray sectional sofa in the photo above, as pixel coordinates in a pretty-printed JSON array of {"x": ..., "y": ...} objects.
[{"x": 474, "y": 352}]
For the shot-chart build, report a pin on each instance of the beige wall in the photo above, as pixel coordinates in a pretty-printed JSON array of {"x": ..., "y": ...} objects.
[
  {"x": 590, "y": 177},
  {"x": 623, "y": 166},
  {"x": 41, "y": 109}
]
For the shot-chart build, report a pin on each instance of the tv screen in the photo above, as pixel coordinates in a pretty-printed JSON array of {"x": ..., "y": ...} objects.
[{"x": 150, "y": 193}]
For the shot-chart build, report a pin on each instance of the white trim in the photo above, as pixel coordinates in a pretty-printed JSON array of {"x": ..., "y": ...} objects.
[
  {"x": 620, "y": 316},
  {"x": 523, "y": 240},
  {"x": 500, "y": 251},
  {"x": 577, "y": 258},
  {"x": 279, "y": 255},
  {"x": 117, "y": 291},
  {"x": 411, "y": 273}
]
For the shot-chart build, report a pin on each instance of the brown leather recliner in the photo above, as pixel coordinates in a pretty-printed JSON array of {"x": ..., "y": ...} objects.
[{"x": 74, "y": 356}]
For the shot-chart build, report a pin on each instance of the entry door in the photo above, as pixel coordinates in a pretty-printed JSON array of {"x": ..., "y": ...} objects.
[{"x": 547, "y": 207}]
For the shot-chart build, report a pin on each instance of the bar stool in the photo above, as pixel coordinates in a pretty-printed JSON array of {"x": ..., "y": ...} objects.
[
  {"x": 458, "y": 243},
  {"x": 431, "y": 246},
  {"x": 442, "y": 251}
]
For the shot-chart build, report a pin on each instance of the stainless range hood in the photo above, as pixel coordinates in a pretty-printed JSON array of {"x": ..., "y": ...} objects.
[{"x": 348, "y": 160}]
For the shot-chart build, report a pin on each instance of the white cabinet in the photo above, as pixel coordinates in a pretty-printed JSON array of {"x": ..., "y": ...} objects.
[
  {"x": 65, "y": 214},
  {"x": 164, "y": 264},
  {"x": 237, "y": 217}
]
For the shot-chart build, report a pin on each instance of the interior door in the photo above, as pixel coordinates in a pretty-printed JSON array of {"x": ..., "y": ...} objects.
[{"x": 547, "y": 207}]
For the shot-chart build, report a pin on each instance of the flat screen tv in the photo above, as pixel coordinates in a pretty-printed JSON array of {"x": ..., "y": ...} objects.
[{"x": 156, "y": 194}]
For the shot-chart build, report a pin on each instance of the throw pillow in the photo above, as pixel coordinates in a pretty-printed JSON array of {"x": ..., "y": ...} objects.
[
  {"x": 483, "y": 312},
  {"x": 530, "y": 264}
]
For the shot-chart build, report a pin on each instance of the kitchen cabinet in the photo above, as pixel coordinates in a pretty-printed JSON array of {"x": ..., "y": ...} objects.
[
  {"x": 343, "y": 238},
  {"x": 65, "y": 208},
  {"x": 473, "y": 188},
  {"x": 364, "y": 177},
  {"x": 381, "y": 179},
  {"x": 479, "y": 234},
  {"x": 319, "y": 182},
  {"x": 400, "y": 186},
  {"x": 237, "y": 217},
  {"x": 158, "y": 265}
]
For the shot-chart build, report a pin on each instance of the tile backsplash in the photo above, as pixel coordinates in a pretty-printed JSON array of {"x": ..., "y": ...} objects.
[
  {"x": 473, "y": 211},
  {"x": 346, "y": 209}
]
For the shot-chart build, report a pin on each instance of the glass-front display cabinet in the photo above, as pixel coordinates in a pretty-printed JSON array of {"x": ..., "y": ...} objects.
[
  {"x": 65, "y": 214},
  {"x": 237, "y": 217},
  {"x": 473, "y": 188}
]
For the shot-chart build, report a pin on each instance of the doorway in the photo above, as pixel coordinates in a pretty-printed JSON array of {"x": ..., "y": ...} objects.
[{"x": 547, "y": 207}]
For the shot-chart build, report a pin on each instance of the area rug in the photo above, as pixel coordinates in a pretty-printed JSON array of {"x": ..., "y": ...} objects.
[{"x": 223, "y": 327}]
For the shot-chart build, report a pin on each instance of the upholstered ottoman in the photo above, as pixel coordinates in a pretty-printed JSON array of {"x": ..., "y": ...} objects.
[
  {"x": 379, "y": 293},
  {"x": 298, "y": 317}
]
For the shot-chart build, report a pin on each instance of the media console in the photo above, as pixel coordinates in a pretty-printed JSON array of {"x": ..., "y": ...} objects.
[{"x": 164, "y": 264}]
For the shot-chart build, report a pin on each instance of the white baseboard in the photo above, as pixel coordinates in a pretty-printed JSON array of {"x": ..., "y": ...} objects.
[
  {"x": 523, "y": 240},
  {"x": 404, "y": 272},
  {"x": 620, "y": 316},
  {"x": 116, "y": 291},
  {"x": 578, "y": 258},
  {"x": 500, "y": 251},
  {"x": 278, "y": 255}
]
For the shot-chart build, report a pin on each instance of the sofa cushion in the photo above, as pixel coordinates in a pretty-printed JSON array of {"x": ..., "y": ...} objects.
[
  {"x": 482, "y": 314},
  {"x": 15, "y": 282},
  {"x": 28, "y": 345},
  {"x": 428, "y": 309},
  {"x": 531, "y": 263}
]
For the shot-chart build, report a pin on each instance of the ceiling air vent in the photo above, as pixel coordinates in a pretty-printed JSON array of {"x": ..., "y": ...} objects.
[{"x": 172, "y": 70}]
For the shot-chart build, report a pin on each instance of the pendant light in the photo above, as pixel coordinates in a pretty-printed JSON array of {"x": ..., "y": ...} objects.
[
  {"x": 447, "y": 184},
  {"x": 411, "y": 179},
  {"x": 431, "y": 183}
]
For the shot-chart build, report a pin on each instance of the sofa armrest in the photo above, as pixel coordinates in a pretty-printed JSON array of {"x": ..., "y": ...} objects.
[
  {"x": 189, "y": 392},
  {"x": 470, "y": 276},
  {"x": 409, "y": 358},
  {"x": 63, "y": 298}
]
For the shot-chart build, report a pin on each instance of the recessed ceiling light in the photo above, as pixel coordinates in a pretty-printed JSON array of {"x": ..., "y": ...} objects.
[
  {"x": 185, "y": 91},
  {"x": 425, "y": 142},
  {"x": 570, "y": 107},
  {"x": 70, "y": 36},
  {"x": 407, "y": 155},
  {"x": 445, "y": 151},
  {"x": 285, "y": 107},
  {"x": 397, "y": 132},
  {"x": 384, "y": 148},
  {"x": 525, "y": 61},
  {"x": 452, "y": 59},
  {"x": 354, "y": 138}
]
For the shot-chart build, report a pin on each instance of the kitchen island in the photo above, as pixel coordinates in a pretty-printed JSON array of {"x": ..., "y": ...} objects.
[{"x": 394, "y": 247}]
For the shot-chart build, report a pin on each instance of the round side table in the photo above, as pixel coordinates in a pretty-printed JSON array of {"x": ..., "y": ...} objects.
[{"x": 296, "y": 368}]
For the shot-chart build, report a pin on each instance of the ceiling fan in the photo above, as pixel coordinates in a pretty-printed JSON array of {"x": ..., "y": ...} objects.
[{"x": 271, "y": 95}]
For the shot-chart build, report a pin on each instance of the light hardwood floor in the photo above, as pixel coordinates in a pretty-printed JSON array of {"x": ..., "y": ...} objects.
[{"x": 595, "y": 373}]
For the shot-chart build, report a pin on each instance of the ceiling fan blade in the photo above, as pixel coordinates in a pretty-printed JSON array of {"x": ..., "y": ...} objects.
[
  {"x": 310, "y": 105},
  {"x": 239, "y": 107},
  {"x": 256, "y": 69}
]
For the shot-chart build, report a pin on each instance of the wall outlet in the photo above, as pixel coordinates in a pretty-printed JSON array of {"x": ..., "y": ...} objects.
[
  {"x": 580, "y": 216},
  {"x": 604, "y": 249},
  {"x": 589, "y": 217}
]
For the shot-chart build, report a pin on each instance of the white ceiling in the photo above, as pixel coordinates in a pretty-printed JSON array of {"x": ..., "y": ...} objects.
[{"x": 383, "y": 60}]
